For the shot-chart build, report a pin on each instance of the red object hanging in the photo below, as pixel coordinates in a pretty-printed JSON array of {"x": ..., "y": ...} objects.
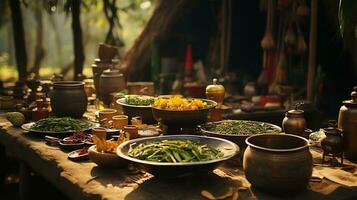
[{"x": 188, "y": 60}]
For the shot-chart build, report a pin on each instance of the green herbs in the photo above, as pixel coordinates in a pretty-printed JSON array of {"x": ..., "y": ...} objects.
[
  {"x": 240, "y": 127},
  {"x": 139, "y": 100},
  {"x": 174, "y": 151},
  {"x": 62, "y": 124}
]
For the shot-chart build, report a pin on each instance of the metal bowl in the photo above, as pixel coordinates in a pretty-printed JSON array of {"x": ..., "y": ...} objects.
[
  {"x": 132, "y": 111},
  {"x": 238, "y": 138},
  {"x": 183, "y": 118},
  {"x": 277, "y": 163},
  {"x": 170, "y": 170}
]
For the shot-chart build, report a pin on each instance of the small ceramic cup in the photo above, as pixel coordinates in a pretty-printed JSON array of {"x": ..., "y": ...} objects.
[
  {"x": 119, "y": 121},
  {"x": 132, "y": 130},
  {"x": 101, "y": 134},
  {"x": 106, "y": 115},
  {"x": 136, "y": 120}
]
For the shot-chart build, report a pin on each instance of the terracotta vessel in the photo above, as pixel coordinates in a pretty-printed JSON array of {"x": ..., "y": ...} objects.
[
  {"x": 106, "y": 115},
  {"x": 347, "y": 121},
  {"x": 277, "y": 163},
  {"x": 119, "y": 121},
  {"x": 40, "y": 112},
  {"x": 294, "y": 122},
  {"x": 110, "y": 81},
  {"x": 132, "y": 130},
  {"x": 68, "y": 98}
]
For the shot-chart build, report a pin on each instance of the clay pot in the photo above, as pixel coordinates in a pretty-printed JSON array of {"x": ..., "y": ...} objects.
[
  {"x": 132, "y": 130},
  {"x": 333, "y": 142},
  {"x": 68, "y": 98},
  {"x": 347, "y": 121},
  {"x": 106, "y": 115},
  {"x": 111, "y": 81},
  {"x": 107, "y": 52},
  {"x": 277, "y": 163},
  {"x": 294, "y": 122},
  {"x": 119, "y": 121}
]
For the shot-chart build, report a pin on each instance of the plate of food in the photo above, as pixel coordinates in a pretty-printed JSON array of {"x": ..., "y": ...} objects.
[
  {"x": 103, "y": 153},
  {"x": 58, "y": 126},
  {"x": 79, "y": 154},
  {"x": 237, "y": 130},
  {"x": 177, "y": 155},
  {"x": 138, "y": 105}
]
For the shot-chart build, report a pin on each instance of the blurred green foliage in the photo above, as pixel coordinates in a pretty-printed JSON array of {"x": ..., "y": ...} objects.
[{"x": 57, "y": 40}]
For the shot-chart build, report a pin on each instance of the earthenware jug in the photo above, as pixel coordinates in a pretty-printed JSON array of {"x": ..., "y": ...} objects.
[
  {"x": 68, "y": 98},
  {"x": 294, "y": 122},
  {"x": 347, "y": 121},
  {"x": 111, "y": 81}
]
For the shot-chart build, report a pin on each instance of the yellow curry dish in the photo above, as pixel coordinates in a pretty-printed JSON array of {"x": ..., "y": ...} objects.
[{"x": 179, "y": 103}]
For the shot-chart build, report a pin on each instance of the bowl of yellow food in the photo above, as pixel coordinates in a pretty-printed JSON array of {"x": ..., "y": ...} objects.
[{"x": 183, "y": 112}]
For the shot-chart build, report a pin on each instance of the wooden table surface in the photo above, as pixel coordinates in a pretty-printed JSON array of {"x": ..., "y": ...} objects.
[{"x": 85, "y": 180}]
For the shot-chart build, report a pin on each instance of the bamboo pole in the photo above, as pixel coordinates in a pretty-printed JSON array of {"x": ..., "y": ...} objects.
[{"x": 312, "y": 52}]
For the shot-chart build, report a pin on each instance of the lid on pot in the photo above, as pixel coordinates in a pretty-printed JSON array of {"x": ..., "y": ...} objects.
[
  {"x": 353, "y": 101},
  {"x": 295, "y": 112},
  {"x": 68, "y": 84},
  {"x": 111, "y": 73},
  {"x": 332, "y": 128},
  {"x": 215, "y": 87}
]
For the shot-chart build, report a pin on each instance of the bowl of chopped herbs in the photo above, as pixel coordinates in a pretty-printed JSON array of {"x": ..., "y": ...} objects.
[
  {"x": 138, "y": 105},
  {"x": 237, "y": 130}
]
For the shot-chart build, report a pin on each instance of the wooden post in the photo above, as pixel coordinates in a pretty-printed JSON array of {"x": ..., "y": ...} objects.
[
  {"x": 77, "y": 38},
  {"x": 24, "y": 185},
  {"x": 312, "y": 52},
  {"x": 19, "y": 38}
]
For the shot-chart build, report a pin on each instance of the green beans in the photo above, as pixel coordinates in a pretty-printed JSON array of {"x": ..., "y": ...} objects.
[
  {"x": 62, "y": 124},
  {"x": 174, "y": 151}
]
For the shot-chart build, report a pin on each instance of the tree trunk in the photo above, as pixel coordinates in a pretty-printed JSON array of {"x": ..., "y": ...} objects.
[
  {"x": 77, "y": 37},
  {"x": 39, "y": 49},
  {"x": 19, "y": 38},
  {"x": 164, "y": 18}
]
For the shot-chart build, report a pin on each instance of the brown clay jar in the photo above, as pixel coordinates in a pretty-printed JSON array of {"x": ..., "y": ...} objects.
[
  {"x": 347, "y": 121},
  {"x": 68, "y": 98},
  {"x": 40, "y": 112},
  {"x": 294, "y": 122},
  {"x": 111, "y": 81},
  {"x": 277, "y": 163}
]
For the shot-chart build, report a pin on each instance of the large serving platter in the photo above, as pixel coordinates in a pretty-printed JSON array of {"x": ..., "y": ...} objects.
[
  {"x": 28, "y": 127},
  {"x": 169, "y": 170}
]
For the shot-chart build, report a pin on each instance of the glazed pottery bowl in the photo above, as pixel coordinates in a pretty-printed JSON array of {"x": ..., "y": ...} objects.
[{"x": 277, "y": 163}]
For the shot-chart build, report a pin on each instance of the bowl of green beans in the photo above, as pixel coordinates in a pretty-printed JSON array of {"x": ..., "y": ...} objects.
[{"x": 178, "y": 155}]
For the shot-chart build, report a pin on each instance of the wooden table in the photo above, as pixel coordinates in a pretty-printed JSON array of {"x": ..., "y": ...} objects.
[{"x": 85, "y": 180}]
